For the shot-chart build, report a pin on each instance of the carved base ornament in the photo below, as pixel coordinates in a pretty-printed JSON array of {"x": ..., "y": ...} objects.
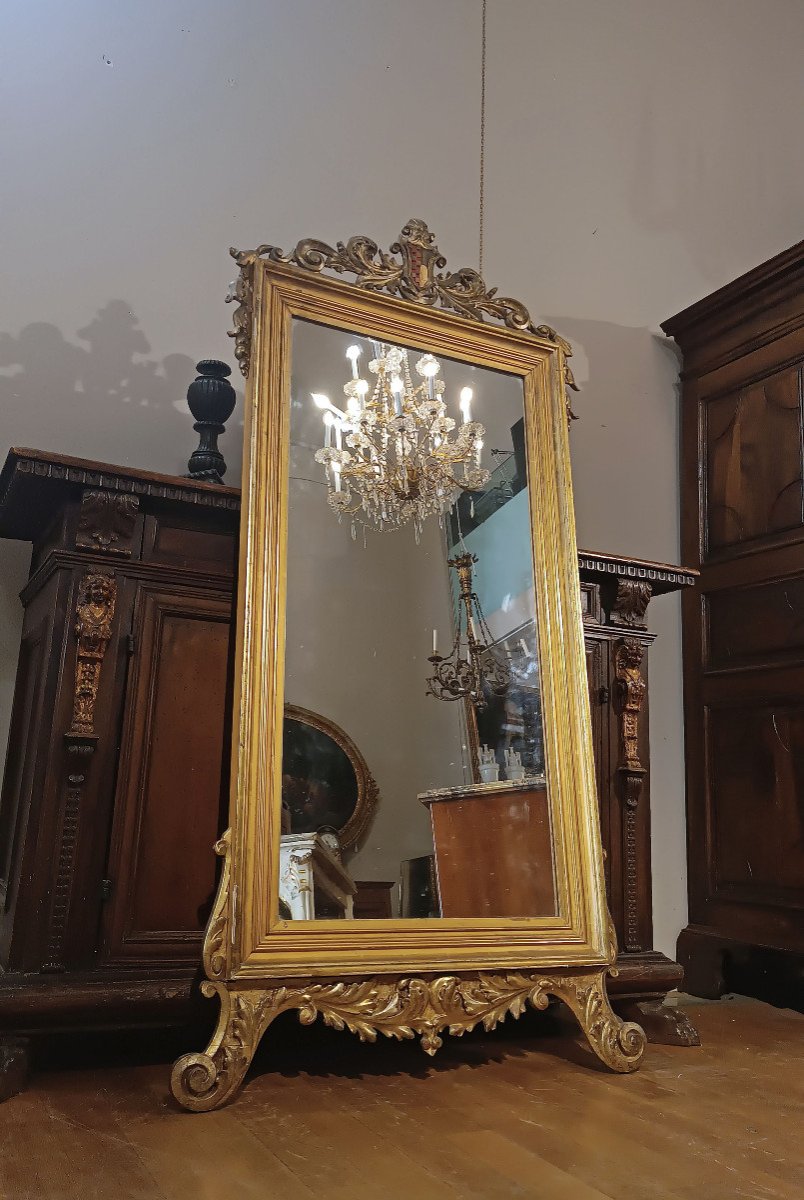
[
  {"x": 402, "y": 1008},
  {"x": 397, "y": 1008}
]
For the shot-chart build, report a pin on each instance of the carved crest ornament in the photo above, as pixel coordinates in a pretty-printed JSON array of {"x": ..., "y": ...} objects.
[{"x": 413, "y": 269}]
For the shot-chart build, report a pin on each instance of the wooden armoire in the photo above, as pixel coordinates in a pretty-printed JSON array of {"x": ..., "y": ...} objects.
[
  {"x": 742, "y": 481},
  {"x": 116, "y": 782}
]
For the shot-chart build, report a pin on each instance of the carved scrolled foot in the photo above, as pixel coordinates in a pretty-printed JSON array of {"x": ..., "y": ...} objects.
[
  {"x": 618, "y": 1044},
  {"x": 201, "y": 1082}
]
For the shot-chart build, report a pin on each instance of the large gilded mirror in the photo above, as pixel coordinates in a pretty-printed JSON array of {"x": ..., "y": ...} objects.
[{"x": 408, "y": 576}]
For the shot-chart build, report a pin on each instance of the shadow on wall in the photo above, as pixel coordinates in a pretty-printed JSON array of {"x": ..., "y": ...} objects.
[
  {"x": 103, "y": 399},
  {"x": 99, "y": 397},
  {"x": 624, "y": 447},
  {"x": 624, "y": 452}
]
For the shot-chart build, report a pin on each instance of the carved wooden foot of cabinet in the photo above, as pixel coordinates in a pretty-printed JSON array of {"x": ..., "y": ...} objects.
[
  {"x": 638, "y": 989},
  {"x": 396, "y": 1008},
  {"x": 14, "y": 1066},
  {"x": 664, "y": 1024}
]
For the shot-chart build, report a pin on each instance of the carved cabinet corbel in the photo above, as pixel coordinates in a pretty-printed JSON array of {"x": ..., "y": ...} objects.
[{"x": 114, "y": 789}]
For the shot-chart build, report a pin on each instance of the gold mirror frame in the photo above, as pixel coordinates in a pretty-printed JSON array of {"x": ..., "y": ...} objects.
[
  {"x": 403, "y": 978},
  {"x": 368, "y": 794}
]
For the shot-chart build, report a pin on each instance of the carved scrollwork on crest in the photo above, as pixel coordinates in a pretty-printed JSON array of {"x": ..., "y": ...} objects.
[{"x": 413, "y": 269}]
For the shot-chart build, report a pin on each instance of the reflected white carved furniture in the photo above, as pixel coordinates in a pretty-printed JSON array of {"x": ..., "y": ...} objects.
[{"x": 312, "y": 882}]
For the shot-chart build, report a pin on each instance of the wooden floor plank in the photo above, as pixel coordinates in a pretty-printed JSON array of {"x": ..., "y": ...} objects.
[
  {"x": 492, "y": 1118},
  {"x": 205, "y": 1154},
  {"x": 423, "y": 1138},
  {"x": 265, "y": 1110},
  {"x": 551, "y": 1126},
  {"x": 544, "y": 1181},
  {"x": 63, "y": 1143},
  {"x": 671, "y": 1124},
  {"x": 376, "y": 1162}
]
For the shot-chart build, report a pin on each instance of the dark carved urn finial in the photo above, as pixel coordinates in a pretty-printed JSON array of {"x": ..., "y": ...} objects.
[{"x": 211, "y": 399}]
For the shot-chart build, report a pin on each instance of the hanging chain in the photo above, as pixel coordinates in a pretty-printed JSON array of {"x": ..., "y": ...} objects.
[{"x": 482, "y": 136}]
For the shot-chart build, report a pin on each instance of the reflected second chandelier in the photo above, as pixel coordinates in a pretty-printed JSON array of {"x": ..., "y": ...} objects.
[{"x": 392, "y": 456}]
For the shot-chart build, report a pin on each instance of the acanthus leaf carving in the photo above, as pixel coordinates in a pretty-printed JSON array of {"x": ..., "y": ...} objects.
[
  {"x": 107, "y": 521},
  {"x": 631, "y": 603},
  {"x": 216, "y": 939},
  {"x": 396, "y": 1008}
]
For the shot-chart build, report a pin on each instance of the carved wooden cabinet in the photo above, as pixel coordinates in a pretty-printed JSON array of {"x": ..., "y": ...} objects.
[
  {"x": 742, "y": 478},
  {"x": 114, "y": 780},
  {"x": 116, "y": 772}
]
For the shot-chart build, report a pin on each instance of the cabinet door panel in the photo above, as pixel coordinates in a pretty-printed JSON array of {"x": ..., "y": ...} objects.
[
  {"x": 756, "y": 753},
  {"x": 169, "y": 792},
  {"x": 754, "y": 460}
]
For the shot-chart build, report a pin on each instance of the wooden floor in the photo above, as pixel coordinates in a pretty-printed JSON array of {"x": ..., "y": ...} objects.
[{"x": 525, "y": 1114}]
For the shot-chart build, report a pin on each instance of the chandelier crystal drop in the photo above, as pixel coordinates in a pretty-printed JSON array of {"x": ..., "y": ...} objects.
[{"x": 392, "y": 454}]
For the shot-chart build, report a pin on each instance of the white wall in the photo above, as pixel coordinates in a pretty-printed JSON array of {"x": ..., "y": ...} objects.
[{"x": 639, "y": 154}]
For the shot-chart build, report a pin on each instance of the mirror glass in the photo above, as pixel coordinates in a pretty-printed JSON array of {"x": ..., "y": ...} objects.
[{"x": 414, "y": 781}]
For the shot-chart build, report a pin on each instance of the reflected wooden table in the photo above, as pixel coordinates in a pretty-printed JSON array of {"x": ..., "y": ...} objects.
[{"x": 493, "y": 849}]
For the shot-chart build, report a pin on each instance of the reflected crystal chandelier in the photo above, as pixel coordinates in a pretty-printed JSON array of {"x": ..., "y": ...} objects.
[
  {"x": 391, "y": 456},
  {"x": 473, "y": 667}
]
